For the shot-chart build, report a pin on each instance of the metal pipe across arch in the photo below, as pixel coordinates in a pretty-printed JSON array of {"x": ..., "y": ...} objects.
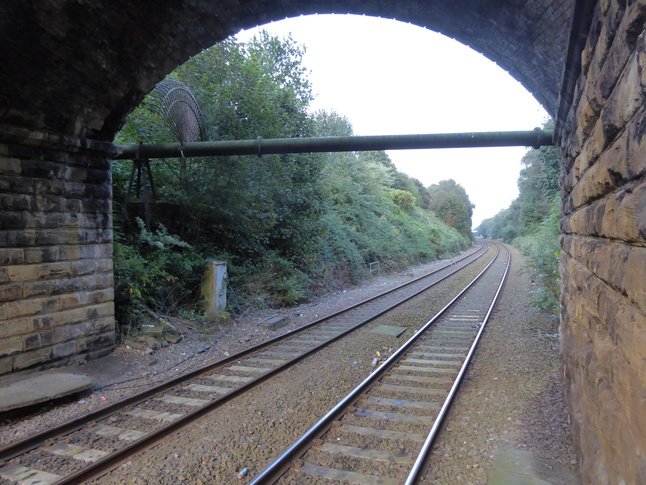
[{"x": 535, "y": 138}]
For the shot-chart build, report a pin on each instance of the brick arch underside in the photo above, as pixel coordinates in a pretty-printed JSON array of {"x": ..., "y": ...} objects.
[{"x": 80, "y": 68}]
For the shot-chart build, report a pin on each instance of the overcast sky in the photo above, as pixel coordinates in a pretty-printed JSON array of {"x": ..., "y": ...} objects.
[{"x": 388, "y": 78}]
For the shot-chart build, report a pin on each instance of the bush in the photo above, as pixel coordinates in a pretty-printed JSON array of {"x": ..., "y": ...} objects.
[
  {"x": 273, "y": 281},
  {"x": 339, "y": 258},
  {"x": 404, "y": 199},
  {"x": 543, "y": 250},
  {"x": 157, "y": 271}
]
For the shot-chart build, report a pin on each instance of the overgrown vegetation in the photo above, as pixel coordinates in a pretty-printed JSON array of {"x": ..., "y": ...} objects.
[
  {"x": 531, "y": 223},
  {"x": 288, "y": 225},
  {"x": 154, "y": 270},
  {"x": 544, "y": 251}
]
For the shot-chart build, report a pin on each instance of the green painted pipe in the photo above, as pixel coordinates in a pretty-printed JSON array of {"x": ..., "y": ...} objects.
[{"x": 535, "y": 138}]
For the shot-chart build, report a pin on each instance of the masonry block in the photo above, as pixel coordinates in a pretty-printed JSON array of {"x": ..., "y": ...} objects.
[
  {"x": 36, "y": 289},
  {"x": 12, "y": 256},
  {"x": 45, "y": 254},
  {"x": 21, "y": 273},
  {"x": 24, "y": 360},
  {"x": 20, "y": 308},
  {"x": 104, "y": 325},
  {"x": 31, "y": 341},
  {"x": 13, "y": 328},
  {"x": 68, "y": 317},
  {"x": 40, "y": 322},
  {"x": 101, "y": 342},
  {"x": 10, "y": 292},
  {"x": 625, "y": 100},
  {"x": 6, "y": 365},
  {"x": 100, "y": 310},
  {"x": 64, "y": 350},
  {"x": 10, "y": 345},
  {"x": 10, "y": 166}
]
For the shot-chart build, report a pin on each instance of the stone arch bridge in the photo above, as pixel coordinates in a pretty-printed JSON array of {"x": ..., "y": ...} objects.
[{"x": 71, "y": 70}]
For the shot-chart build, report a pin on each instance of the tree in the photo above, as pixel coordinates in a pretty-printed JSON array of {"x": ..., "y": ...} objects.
[
  {"x": 281, "y": 221},
  {"x": 538, "y": 186},
  {"x": 246, "y": 204},
  {"x": 532, "y": 222},
  {"x": 451, "y": 203}
]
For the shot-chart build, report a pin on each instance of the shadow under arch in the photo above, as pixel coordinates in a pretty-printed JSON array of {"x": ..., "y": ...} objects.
[{"x": 80, "y": 68}]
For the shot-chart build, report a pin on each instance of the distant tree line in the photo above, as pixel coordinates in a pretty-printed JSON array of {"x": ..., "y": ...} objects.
[
  {"x": 531, "y": 222},
  {"x": 288, "y": 225}
]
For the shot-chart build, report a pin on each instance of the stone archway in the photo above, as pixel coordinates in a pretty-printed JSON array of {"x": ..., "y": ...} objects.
[
  {"x": 79, "y": 68},
  {"x": 72, "y": 70}
]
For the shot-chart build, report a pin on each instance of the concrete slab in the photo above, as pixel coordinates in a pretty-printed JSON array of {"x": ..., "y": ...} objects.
[
  {"x": 41, "y": 387},
  {"x": 389, "y": 330},
  {"x": 27, "y": 476},
  {"x": 512, "y": 466},
  {"x": 276, "y": 322}
]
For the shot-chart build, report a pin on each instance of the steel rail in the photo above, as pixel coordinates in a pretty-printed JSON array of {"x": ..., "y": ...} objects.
[
  {"x": 535, "y": 138},
  {"x": 276, "y": 469},
  {"x": 104, "y": 465},
  {"x": 418, "y": 467},
  {"x": 29, "y": 443}
]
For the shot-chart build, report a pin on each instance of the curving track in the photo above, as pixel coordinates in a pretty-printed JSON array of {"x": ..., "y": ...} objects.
[
  {"x": 379, "y": 433},
  {"x": 89, "y": 446}
]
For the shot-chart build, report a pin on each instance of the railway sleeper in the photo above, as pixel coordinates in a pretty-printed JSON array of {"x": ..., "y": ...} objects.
[{"x": 358, "y": 460}]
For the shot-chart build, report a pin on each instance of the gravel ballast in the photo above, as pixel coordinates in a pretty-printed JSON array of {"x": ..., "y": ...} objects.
[{"x": 512, "y": 396}]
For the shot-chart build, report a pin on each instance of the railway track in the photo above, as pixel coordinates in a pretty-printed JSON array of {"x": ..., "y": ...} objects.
[
  {"x": 88, "y": 447},
  {"x": 379, "y": 433}
]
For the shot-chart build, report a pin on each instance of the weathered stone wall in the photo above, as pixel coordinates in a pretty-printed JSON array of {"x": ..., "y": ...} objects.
[
  {"x": 78, "y": 68},
  {"x": 55, "y": 250},
  {"x": 603, "y": 328}
]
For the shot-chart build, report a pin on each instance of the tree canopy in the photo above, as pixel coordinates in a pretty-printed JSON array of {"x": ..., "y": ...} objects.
[
  {"x": 450, "y": 202},
  {"x": 287, "y": 224},
  {"x": 538, "y": 186}
]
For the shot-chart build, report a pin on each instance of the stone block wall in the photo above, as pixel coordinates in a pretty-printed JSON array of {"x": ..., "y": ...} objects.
[
  {"x": 82, "y": 77},
  {"x": 603, "y": 322},
  {"x": 56, "y": 295}
]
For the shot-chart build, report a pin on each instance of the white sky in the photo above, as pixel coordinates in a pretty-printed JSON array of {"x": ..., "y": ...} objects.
[{"x": 389, "y": 78}]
